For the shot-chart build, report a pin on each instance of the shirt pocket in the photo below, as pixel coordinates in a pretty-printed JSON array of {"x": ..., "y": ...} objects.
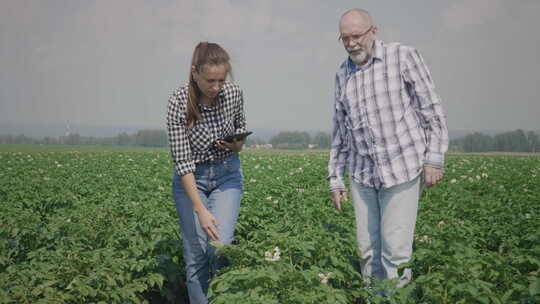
[
  {"x": 356, "y": 130},
  {"x": 385, "y": 96},
  {"x": 227, "y": 126},
  {"x": 199, "y": 138},
  {"x": 356, "y": 113}
]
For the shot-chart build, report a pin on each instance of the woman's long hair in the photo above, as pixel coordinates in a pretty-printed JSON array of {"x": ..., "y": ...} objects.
[{"x": 204, "y": 53}]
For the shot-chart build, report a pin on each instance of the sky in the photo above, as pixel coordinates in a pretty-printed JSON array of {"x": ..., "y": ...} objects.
[{"x": 116, "y": 62}]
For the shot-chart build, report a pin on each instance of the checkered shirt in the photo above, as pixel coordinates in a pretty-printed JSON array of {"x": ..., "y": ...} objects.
[
  {"x": 388, "y": 120},
  {"x": 190, "y": 146}
]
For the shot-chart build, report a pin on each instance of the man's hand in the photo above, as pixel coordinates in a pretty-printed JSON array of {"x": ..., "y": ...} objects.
[
  {"x": 235, "y": 146},
  {"x": 432, "y": 175},
  {"x": 338, "y": 197}
]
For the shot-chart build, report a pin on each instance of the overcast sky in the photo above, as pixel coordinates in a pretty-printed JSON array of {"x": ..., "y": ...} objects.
[{"x": 116, "y": 62}]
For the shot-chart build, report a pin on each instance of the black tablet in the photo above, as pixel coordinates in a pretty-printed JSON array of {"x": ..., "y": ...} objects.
[{"x": 237, "y": 137}]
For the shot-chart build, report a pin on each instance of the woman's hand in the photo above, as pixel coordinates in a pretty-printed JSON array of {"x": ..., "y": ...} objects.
[
  {"x": 208, "y": 223},
  {"x": 235, "y": 146}
]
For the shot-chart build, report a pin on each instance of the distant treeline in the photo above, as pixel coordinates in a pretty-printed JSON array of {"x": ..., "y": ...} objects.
[
  {"x": 158, "y": 138},
  {"x": 301, "y": 140},
  {"x": 514, "y": 141},
  {"x": 145, "y": 138}
]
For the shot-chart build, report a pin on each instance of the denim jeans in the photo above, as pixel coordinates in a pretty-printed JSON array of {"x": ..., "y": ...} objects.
[
  {"x": 385, "y": 223},
  {"x": 220, "y": 187}
]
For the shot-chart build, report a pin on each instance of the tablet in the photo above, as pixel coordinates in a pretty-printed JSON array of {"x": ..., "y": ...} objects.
[{"x": 237, "y": 137}]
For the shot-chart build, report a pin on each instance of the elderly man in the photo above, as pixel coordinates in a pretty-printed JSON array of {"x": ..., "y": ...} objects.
[{"x": 390, "y": 131}]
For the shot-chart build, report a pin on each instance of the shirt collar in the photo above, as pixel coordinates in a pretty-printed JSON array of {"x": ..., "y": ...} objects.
[
  {"x": 220, "y": 98},
  {"x": 205, "y": 107},
  {"x": 378, "y": 50},
  {"x": 351, "y": 67}
]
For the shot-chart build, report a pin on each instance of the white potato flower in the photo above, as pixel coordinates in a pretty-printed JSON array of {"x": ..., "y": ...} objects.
[{"x": 272, "y": 255}]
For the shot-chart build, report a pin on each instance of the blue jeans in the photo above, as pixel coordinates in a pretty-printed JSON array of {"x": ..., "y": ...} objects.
[
  {"x": 220, "y": 187},
  {"x": 385, "y": 223}
]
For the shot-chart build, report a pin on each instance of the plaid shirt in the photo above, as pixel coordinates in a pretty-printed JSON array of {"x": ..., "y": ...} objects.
[
  {"x": 388, "y": 121},
  {"x": 190, "y": 146}
]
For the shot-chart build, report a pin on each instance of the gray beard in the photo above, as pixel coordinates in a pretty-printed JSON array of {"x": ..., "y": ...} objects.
[{"x": 359, "y": 58}]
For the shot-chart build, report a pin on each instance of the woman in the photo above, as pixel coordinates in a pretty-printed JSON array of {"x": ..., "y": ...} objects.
[{"x": 207, "y": 181}]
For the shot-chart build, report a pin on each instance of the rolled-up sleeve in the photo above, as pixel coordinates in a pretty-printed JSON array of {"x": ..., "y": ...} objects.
[
  {"x": 178, "y": 138},
  {"x": 240, "y": 125},
  {"x": 339, "y": 146},
  {"x": 428, "y": 106}
]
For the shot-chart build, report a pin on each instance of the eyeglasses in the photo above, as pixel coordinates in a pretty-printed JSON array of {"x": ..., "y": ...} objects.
[{"x": 354, "y": 37}]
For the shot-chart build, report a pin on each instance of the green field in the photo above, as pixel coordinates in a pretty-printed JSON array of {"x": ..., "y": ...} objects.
[{"x": 97, "y": 225}]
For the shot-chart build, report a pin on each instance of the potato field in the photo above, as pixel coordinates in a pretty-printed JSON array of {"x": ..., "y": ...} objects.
[{"x": 99, "y": 226}]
